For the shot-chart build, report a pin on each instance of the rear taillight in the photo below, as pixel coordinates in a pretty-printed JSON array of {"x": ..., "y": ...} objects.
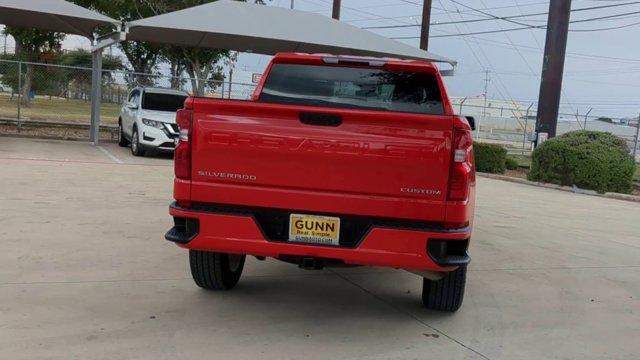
[
  {"x": 462, "y": 172},
  {"x": 182, "y": 154}
]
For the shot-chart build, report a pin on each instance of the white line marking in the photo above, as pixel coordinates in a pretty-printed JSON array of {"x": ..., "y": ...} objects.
[{"x": 110, "y": 155}]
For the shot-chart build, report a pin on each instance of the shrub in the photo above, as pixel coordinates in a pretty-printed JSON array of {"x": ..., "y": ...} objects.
[
  {"x": 587, "y": 159},
  {"x": 490, "y": 158},
  {"x": 511, "y": 163}
]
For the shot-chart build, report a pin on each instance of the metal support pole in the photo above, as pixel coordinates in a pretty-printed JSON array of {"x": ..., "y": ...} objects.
[
  {"x": 461, "y": 103},
  {"x": 585, "y": 118},
  {"x": 19, "y": 94},
  {"x": 526, "y": 124},
  {"x": 96, "y": 96},
  {"x": 553, "y": 66},
  {"x": 292, "y": 4},
  {"x": 635, "y": 145},
  {"x": 336, "y": 9},
  {"x": 230, "y": 80},
  {"x": 426, "y": 19}
]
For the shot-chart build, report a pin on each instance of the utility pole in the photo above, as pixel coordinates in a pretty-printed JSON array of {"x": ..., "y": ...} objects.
[
  {"x": 426, "y": 18},
  {"x": 553, "y": 67},
  {"x": 484, "y": 108},
  {"x": 336, "y": 9}
]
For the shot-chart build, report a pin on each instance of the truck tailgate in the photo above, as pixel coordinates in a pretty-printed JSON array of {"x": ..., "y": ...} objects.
[{"x": 325, "y": 160}]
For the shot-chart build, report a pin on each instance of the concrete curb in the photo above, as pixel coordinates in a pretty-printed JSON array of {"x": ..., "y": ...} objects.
[
  {"x": 53, "y": 137},
  {"x": 67, "y": 125},
  {"x": 574, "y": 190}
]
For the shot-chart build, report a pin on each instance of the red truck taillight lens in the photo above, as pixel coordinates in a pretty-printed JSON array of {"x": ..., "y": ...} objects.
[
  {"x": 182, "y": 154},
  {"x": 462, "y": 172}
]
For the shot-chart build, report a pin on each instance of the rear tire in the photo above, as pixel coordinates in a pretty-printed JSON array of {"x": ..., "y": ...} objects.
[
  {"x": 447, "y": 293},
  {"x": 122, "y": 141},
  {"x": 136, "y": 148},
  {"x": 215, "y": 271}
]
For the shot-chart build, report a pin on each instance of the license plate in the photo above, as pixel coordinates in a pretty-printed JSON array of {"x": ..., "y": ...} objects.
[{"x": 314, "y": 229}]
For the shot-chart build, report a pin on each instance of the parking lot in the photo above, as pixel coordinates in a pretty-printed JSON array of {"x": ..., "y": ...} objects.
[{"x": 85, "y": 273}]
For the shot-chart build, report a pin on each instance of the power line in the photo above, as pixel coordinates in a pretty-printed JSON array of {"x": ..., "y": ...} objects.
[
  {"x": 468, "y": 13},
  {"x": 468, "y": 33},
  {"x": 406, "y": 16},
  {"x": 442, "y": 23},
  {"x": 608, "y": 28},
  {"x": 539, "y": 46},
  {"x": 485, "y": 8},
  {"x": 528, "y": 26},
  {"x": 473, "y": 52},
  {"x": 491, "y": 42},
  {"x": 510, "y": 45},
  {"x": 542, "y": 13},
  {"x": 538, "y": 27},
  {"x": 507, "y": 19},
  {"x": 444, "y": 11},
  {"x": 354, "y": 9}
]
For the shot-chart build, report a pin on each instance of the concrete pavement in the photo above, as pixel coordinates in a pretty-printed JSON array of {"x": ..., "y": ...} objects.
[{"x": 86, "y": 274}]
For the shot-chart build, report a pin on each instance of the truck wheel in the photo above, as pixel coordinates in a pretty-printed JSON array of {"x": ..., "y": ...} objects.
[
  {"x": 122, "y": 141},
  {"x": 447, "y": 293},
  {"x": 215, "y": 271},
  {"x": 136, "y": 148}
]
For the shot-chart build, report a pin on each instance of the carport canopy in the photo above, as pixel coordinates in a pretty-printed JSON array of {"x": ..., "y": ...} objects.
[
  {"x": 54, "y": 15},
  {"x": 224, "y": 24},
  {"x": 247, "y": 27}
]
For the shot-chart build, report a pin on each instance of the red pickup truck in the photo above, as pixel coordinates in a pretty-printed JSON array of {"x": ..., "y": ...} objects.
[{"x": 335, "y": 161}]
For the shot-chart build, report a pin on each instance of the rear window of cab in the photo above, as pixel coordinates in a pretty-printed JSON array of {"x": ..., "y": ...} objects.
[{"x": 353, "y": 88}]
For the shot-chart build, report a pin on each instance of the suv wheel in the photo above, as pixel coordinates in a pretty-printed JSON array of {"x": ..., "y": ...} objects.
[
  {"x": 215, "y": 271},
  {"x": 122, "y": 141},
  {"x": 136, "y": 149},
  {"x": 447, "y": 293}
]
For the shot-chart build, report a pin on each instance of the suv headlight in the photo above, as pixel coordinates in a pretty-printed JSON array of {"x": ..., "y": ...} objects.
[{"x": 154, "y": 123}]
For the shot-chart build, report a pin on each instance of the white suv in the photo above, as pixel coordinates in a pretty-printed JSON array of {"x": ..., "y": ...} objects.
[{"x": 148, "y": 119}]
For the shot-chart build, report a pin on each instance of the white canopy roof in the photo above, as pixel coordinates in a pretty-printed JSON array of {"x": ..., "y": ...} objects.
[
  {"x": 248, "y": 27},
  {"x": 54, "y": 15}
]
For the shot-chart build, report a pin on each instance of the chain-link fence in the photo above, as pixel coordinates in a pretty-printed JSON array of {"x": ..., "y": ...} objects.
[
  {"x": 59, "y": 96},
  {"x": 56, "y": 96},
  {"x": 513, "y": 125}
]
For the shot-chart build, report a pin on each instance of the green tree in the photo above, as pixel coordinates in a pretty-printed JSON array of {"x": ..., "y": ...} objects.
[
  {"x": 173, "y": 55},
  {"x": 33, "y": 45},
  {"x": 82, "y": 58},
  {"x": 202, "y": 65},
  {"x": 78, "y": 81}
]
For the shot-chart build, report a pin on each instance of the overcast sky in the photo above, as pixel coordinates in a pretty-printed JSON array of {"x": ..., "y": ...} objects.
[{"x": 602, "y": 69}]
